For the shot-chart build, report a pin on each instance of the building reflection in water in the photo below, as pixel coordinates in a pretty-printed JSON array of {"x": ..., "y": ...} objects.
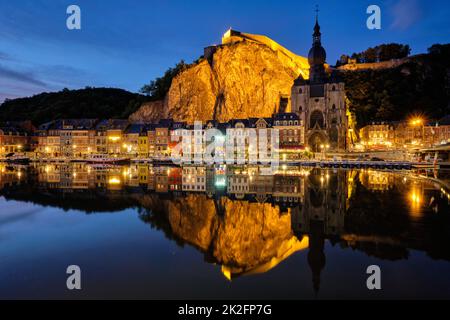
[{"x": 249, "y": 221}]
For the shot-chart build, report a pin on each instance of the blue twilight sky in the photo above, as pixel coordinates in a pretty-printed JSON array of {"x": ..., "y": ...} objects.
[{"x": 127, "y": 43}]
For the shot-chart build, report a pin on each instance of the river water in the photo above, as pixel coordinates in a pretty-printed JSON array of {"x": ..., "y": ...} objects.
[{"x": 165, "y": 232}]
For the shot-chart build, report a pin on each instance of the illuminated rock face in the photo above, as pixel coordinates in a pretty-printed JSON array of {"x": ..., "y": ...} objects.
[
  {"x": 247, "y": 76},
  {"x": 193, "y": 93},
  {"x": 149, "y": 112},
  {"x": 243, "y": 80}
]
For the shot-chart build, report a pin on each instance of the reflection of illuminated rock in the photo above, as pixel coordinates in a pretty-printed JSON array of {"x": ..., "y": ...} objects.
[
  {"x": 248, "y": 238},
  {"x": 286, "y": 249},
  {"x": 193, "y": 219}
]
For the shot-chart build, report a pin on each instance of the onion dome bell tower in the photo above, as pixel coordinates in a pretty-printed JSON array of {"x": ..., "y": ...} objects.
[{"x": 317, "y": 57}]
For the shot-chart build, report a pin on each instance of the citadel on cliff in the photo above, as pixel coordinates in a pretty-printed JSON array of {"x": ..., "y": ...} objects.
[{"x": 318, "y": 101}]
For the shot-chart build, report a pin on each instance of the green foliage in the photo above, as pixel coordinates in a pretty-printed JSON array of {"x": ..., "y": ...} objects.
[
  {"x": 158, "y": 88},
  {"x": 418, "y": 86},
  {"x": 84, "y": 103}
]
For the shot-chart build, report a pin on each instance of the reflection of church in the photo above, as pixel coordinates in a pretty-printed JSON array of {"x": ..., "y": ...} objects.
[
  {"x": 324, "y": 201},
  {"x": 321, "y": 215},
  {"x": 320, "y": 102}
]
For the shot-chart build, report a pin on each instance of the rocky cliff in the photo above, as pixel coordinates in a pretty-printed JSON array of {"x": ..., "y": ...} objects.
[
  {"x": 149, "y": 112},
  {"x": 246, "y": 76}
]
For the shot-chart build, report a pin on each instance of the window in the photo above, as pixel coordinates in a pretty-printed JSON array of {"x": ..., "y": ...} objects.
[
  {"x": 317, "y": 118},
  {"x": 300, "y": 91}
]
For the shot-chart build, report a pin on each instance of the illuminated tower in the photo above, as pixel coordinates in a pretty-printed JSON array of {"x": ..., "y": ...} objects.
[
  {"x": 317, "y": 57},
  {"x": 320, "y": 101}
]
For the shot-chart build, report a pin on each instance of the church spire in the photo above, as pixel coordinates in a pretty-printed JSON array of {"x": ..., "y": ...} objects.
[
  {"x": 317, "y": 34},
  {"x": 317, "y": 55}
]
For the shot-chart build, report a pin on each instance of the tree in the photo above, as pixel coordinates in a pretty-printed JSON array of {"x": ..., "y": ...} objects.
[
  {"x": 158, "y": 88},
  {"x": 370, "y": 55},
  {"x": 440, "y": 51},
  {"x": 393, "y": 51},
  {"x": 344, "y": 59},
  {"x": 357, "y": 56}
]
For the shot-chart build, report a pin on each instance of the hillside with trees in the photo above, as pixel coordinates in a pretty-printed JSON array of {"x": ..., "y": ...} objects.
[
  {"x": 380, "y": 53},
  {"x": 419, "y": 86},
  {"x": 83, "y": 103}
]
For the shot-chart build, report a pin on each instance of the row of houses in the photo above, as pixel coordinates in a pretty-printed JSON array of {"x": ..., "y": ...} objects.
[
  {"x": 80, "y": 138},
  {"x": 405, "y": 134},
  {"x": 15, "y": 136}
]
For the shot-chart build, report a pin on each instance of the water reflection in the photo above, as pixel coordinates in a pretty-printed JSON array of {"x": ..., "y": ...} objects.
[{"x": 248, "y": 221}]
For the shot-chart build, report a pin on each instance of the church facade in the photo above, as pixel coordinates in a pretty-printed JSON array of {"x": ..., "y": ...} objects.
[{"x": 320, "y": 102}]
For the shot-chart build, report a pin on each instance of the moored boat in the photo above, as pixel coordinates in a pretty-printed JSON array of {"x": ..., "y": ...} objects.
[
  {"x": 17, "y": 159},
  {"x": 104, "y": 159}
]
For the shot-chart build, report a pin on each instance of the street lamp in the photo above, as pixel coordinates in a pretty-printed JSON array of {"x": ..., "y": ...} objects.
[
  {"x": 322, "y": 147},
  {"x": 418, "y": 122}
]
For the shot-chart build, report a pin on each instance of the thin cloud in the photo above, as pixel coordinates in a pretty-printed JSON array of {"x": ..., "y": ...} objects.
[
  {"x": 405, "y": 14},
  {"x": 7, "y": 95},
  {"x": 20, "y": 76},
  {"x": 4, "y": 56},
  {"x": 15, "y": 83},
  {"x": 62, "y": 75}
]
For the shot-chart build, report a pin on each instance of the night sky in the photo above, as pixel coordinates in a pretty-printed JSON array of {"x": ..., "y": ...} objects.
[{"x": 125, "y": 44}]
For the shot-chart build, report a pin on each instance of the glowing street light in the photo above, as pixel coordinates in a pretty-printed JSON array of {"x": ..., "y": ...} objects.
[
  {"x": 114, "y": 138},
  {"x": 416, "y": 121}
]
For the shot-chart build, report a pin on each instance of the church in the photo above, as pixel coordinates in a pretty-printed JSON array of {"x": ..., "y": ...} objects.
[{"x": 320, "y": 102}]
